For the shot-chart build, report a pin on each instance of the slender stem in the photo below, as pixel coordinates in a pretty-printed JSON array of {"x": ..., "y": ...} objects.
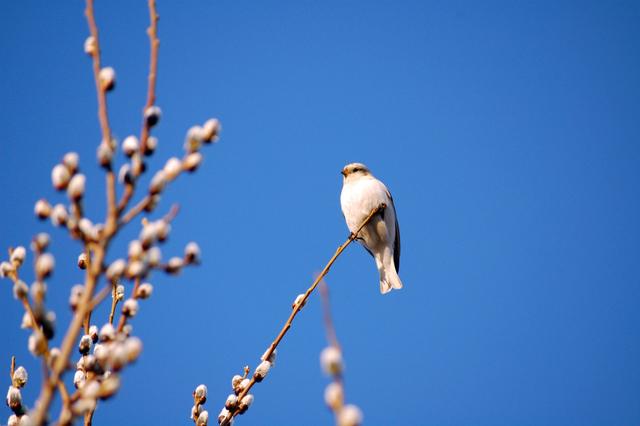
[
  {"x": 152, "y": 31},
  {"x": 298, "y": 306},
  {"x": 13, "y": 367}
]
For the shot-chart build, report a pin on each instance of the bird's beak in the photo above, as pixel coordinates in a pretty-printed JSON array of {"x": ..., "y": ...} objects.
[{"x": 343, "y": 173}]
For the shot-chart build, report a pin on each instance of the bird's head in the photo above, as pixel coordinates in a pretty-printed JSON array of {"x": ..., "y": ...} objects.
[{"x": 355, "y": 170}]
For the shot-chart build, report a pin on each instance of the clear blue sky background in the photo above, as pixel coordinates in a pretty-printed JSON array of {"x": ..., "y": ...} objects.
[{"x": 508, "y": 133}]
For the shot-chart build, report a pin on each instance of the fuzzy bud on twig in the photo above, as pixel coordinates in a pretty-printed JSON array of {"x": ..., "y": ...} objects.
[
  {"x": 350, "y": 415},
  {"x": 261, "y": 371},
  {"x": 231, "y": 402},
  {"x": 60, "y": 177},
  {"x": 42, "y": 208},
  {"x": 71, "y": 160},
  {"x": 172, "y": 168},
  {"x": 20, "y": 377},
  {"x": 174, "y": 265},
  {"x": 116, "y": 269},
  {"x": 152, "y": 115},
  {"x": 82, "y": 261},
  {"x": 37, "y": 344},
  {"x": 45, "y": 264},
  {"x": 17, "y": 255},
  {"x": 105, "y": 155},
  {"x": 194, "y": 139},
  {"x": 107, "y": 334},
  {"x": 94, "y": 333},
  {"x": 59, "y": 215},
  {"x": 14, "y": 400},
  {"x": 158, "y": 182},
  {"x": 192, "y": 253},
  {"x": 245, "y": 403},
  {"x": 334, "y": 395},
  {"x": 90, "y": 45},
  {"x": 20, "y": 289},
  {"x": 40, "y": 242},
  {"x": 133, "y": 348},
  {"x": 107, "y": 77},
  {"x": 200, "y": 394},
  {"x": 130, "y": 308},
  {"x": 203, "y": 419},
  {"x": 192, "y": 161},
  {"x": 75, "y": 190},
  {"x": 210, "y": 130},
  {"x": 152, "y": 144},
  {"x": 144, "y": 291},
  {"x": 331, "y": 360},
  {"x": 130, "y": 145},
  {"x": 85, "y": 344}
]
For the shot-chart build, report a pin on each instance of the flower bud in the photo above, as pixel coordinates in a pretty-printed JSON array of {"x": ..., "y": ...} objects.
[
  {"x": 231, "y": 402},
  {"x": 17, "y": 255},
  {"x": 20, "y": 377},
  {"x": 162, "y": 229},
  {"x": 107, "y": 334},
  {"x": 130, "y": 145},
  {"x": 59, "y": 215},
  {"x": 127, "y": 330},
  {"x": 40, "y": 242},
  {"x": 109, "y": 386},
  {"x": 93, "y": 333},
  {"x": 261, "y": 371},
  {"x": 211, "y": 130},
  {"x": 192, "y": 161},
  {"x": 117, "y": 357},
  {"x": 203, "y": 419},
  {"x": 14, "y": 399},
  {"x": 152, "y": 144},
  {"x": 75, "y": 190},
  {"x": 158, "y": 182},
  {"x": 124, "y": 175},
  {"x": 152, "y": 115},
  {"x": 79, "y": 379},
  {"x": 119, "y": 292},
  {"x": 90, "y": 46},
  {"x": 245, "y": 403},
  {"x": 154, "y": 256},
  {"x": 75, "y": 296},
  {"x": 116, "y": 269},
  {"x": 13, "y": 420},
  {"x": 60, "y": 177},
  {"x": 6, "y": 269},
  {"x": 194, "y": 139},
  {"x": 70, "y": 160},
  {"x": 136, "y": 269},
  {"x": 334, "y": 396},
  {"x": 85, "y": 344},
  {"x": 133, "y": 348},
  {"x": 107, "y": 77},
  {"x": 44, "y": 265},
  {"x": 37, "y": 344},
  {"x": 235, "y": 383},
  {"x": 26, "y": 321},
  {"x": 174, "y": 265},
  {"x": 20, "y": 290},
  {"x": 200, "y": 394},
  {"x": 42, "y": 208},
  {"x": 192, "y": 253},
  {"x": 350, "y": 415},
  {"x": 299, "y": 299},
  {"x": 224, "y": 414},
  {"x": 130, "y": 308},
  {"x": 82, "y": 261},
  {"x": 144, "y": 291},
  {"x": 105, "y": 155},
  {"x": 331, "y": 360},
  {"x": 172, "y": 168}
]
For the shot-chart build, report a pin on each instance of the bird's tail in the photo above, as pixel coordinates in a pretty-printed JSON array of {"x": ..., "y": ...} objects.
[{"x": 389, "y": 278}]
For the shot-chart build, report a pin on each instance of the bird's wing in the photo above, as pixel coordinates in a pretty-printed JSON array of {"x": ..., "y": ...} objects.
[{"x": 396, "y": 243}]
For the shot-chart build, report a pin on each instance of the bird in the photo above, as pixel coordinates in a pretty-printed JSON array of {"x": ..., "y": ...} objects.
[{"x": 361, "y": 193}]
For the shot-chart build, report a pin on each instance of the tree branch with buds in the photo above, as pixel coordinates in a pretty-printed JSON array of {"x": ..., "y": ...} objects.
[{"x": 239, "y": 402}]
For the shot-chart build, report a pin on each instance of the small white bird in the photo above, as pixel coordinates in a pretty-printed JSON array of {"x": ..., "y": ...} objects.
[{"x": 361, "y": 193}]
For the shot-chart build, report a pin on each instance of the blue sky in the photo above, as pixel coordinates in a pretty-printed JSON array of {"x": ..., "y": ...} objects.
[{"x": 508, "y": 133}]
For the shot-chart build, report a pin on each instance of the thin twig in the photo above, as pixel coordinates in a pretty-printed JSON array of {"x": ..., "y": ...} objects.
[
  {"x": 332, "y": 337},
  {"x": 13, "y": 367},
  {"x": 152, "y": 31},
  {"x": 298, "y": 306}
]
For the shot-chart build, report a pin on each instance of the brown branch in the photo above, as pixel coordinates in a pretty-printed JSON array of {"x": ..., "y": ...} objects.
[
  {"x": 298, "y": 306},
  {"x": 135, "y": 210},
  {"x": 332, "y": 337},
  {"x": 152, "y": 31},
  {"x": 114, "y": 302}
]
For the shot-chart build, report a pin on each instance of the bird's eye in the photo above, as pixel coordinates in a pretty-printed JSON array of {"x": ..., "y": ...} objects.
[{"x": 356, "y": 169}]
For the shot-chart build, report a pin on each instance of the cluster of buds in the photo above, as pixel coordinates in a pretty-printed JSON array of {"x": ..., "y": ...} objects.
[
  {"x": 240, "y": 400},
  {"x": 19, "y": 378},
  {"x": 332, "y": 364},
  {"x": 199, "y": 415},
  {"x": 65, "y": 176}
]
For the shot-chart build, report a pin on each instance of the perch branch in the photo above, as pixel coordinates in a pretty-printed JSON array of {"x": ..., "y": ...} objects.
[{"x": 298, "y": 306}]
